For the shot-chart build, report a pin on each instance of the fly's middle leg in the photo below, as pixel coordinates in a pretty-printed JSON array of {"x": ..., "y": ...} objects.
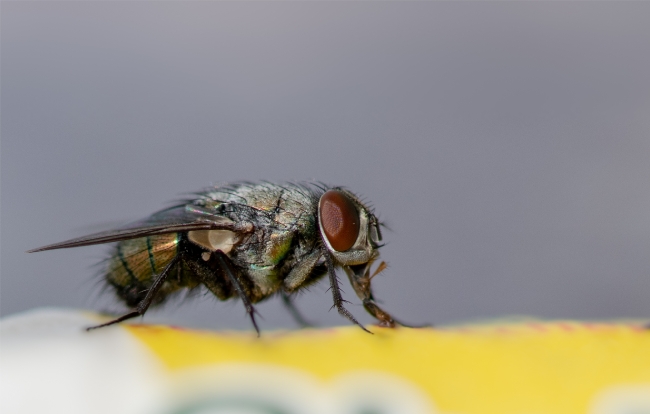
[
  {"x": 211, "y": 277},
  {"x": 240, "y": 285},
  {"x": 219, "y": 275},
  {"x": 300, "y": 276},
  {"x": 293, "y": 310}
]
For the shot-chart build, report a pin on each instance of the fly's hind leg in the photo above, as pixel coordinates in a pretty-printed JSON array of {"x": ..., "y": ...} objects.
[{"x": 148, "y": 299}]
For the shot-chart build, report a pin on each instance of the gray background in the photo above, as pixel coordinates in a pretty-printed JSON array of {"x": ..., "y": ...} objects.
[{"x": 506, "y": 144}]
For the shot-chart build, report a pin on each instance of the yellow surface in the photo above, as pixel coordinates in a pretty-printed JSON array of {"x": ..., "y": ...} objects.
[{"x": 535, "y": 367}]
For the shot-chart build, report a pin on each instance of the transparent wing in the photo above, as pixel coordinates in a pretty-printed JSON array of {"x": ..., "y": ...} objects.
[{"x": 172, "y": 220}]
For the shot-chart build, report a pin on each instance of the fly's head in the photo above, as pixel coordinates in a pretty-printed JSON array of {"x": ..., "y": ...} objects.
[{"x": 349, "y": 230}]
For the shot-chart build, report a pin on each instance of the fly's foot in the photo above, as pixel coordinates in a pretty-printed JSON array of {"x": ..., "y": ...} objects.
[
  {"x": 384, "y": 318},
  {"x": 129, "y": 315},
  {"x": 420, "y": 326},
  {"x": 251, "y": 311}
]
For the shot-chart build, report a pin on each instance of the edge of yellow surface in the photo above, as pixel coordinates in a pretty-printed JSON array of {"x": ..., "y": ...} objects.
[{"x": 556, "y": 366}]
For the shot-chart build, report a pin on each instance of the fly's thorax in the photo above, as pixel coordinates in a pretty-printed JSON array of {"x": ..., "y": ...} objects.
[
  {"x": 266, "y": 279},
  {"x": 286, "y": 202},
  {"x": 282, "y": 218},
  {"x": 347, "y": 227},
  {"x": 286, "y": 206},
  {"x": 261, "y": 255},
  {"x": 263, "y": 258},
  {"x": 266, "y": 249},
  {"x": 278, "y": 246}
]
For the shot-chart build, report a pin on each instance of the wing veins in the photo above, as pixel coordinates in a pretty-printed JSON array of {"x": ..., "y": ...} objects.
[{"x": 138, "y": 232}]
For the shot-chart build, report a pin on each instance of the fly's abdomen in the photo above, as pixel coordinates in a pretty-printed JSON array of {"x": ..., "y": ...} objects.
[{"x": 134, "y": 263}]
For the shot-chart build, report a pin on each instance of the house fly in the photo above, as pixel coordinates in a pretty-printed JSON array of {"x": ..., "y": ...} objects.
[{"x": 248, "y": 241}]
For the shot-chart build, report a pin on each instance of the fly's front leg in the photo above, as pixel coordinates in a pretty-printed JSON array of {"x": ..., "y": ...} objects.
[
  {"x": 382, "y": 316},
  {"x": 360, "y": 278}
]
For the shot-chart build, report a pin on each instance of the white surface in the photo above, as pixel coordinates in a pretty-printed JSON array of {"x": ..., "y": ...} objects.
[{"x": 50, "y": 364}]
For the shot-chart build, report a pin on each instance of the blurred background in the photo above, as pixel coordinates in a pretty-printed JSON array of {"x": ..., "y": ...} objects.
[{"x": 507, "y": 145}]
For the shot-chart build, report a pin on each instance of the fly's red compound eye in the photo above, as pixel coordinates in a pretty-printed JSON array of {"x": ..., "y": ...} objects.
[{"x": 339, "y": 219}]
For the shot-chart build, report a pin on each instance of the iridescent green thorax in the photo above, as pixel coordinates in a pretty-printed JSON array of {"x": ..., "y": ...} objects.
[
  {"x": 279, "y": 246},
  {"x": 290, "y": 206},
  {"x": 284, "y": 218}
]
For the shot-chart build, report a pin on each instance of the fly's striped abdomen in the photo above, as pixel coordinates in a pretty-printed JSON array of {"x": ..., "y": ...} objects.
[{"x": 134, "y": 263}]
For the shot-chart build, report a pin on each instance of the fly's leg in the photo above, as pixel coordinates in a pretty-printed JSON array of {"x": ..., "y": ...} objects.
[
  {"x": 361, "y": 286},
  {"x": 336, "y": 292},
  {"x": 360, "y": 280},
  {"x": 210, "y": 278},
  {"x": 219, "y": 276},
  {"x": 286, "y": 299},
  {"x": 384, "y": 318},
  {"x": 238, "y": 283},
  {"x": 146, "y": 302},
  {"x": 301, "y": 275}
]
